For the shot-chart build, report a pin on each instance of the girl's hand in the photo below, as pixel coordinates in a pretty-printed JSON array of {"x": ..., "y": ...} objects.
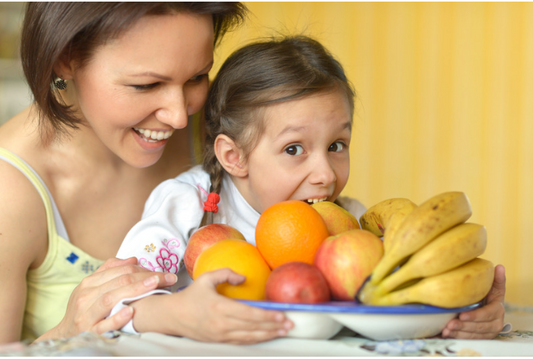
[
  {"x": 485, "y": 322},
  {"x": 92, "y": 300},
  {"x": 200, "y": 313}
]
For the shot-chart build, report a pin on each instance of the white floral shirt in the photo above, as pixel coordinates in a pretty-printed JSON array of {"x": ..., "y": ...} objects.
[{"x": 173, "y": 212}]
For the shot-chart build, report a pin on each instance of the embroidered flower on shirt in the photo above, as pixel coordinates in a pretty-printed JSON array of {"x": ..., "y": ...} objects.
[
  {"x": 168, "y": 261},
  {"x": 150, "y": 248}
]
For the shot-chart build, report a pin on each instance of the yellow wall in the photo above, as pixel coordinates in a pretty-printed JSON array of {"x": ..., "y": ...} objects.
[{"x": 445, "y": 102}]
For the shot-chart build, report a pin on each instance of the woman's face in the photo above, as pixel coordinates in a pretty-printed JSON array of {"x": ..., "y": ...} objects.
[{"x": 136, "y": 90}]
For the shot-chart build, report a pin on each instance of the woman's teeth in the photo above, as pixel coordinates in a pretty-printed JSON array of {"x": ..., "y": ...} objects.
[
  {"x": 315, "y": 200},
  {"x": 153, "y": 136}
]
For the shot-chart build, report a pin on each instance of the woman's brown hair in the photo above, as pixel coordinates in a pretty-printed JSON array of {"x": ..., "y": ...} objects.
[
  {"x": 259, "y": 75},
  {"x": 73, "y": 30}
]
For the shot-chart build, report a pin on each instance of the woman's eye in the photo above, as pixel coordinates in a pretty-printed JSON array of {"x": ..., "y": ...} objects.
[
  {"x": 145, "y": 87},
  {"x": 294, "y": 150},
  {"x": 336, "y": 147},
  {"x": 198, "y": 78}
]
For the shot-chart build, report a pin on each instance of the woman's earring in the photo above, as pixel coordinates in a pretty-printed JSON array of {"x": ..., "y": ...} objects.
[{"x": 60, "y": 84}]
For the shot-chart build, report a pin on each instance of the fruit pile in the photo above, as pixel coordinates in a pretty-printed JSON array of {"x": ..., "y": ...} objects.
[
  {"x": 312, "y": 254},
  {"x": 435, "y": 250},
  {"x": 315, "y": 253}
]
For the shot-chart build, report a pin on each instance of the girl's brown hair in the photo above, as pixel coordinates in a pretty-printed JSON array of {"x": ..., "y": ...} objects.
[
  {"x": 256, "y": 76},
  {"x": 73, "y": 30}
]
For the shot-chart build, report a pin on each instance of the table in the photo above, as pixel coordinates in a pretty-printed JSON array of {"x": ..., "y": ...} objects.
[{"x": 517, "y": 342}]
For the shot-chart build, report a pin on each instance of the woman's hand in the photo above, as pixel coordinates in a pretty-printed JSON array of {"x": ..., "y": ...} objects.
[
  {"x": 485, "y": 322},
  {"x": 92, "y": 300},
  {"x": 200, "y": 313}
]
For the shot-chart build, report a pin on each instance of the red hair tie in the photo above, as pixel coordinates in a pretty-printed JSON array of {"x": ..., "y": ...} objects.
[{"x": 211, "y": 204}]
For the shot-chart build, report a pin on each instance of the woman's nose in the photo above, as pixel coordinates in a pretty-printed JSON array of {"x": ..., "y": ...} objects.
[{"x": 174, "y": 111}]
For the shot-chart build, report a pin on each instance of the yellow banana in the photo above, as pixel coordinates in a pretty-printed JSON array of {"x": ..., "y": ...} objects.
[
  {"x": 461, "y": 286},
  {"x": 423, "y": 224},
  {"x": 384, "y": 218},
  {"x": 449, "y": 250}
]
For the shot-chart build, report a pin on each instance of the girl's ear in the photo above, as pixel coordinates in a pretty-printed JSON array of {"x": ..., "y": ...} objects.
[{"x": 230, "y": 156}]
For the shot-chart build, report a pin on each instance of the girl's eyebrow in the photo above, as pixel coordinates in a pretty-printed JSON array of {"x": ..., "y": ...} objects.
[
  {"x": 345, "y": 126},
  {"x": 290, "y": 128}
]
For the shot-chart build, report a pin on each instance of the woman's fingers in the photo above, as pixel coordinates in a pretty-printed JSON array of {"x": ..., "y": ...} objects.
[
  {"x": 126, "y": 286},
  {"x": 94, "y": 298},
  {"x": 114, "y": 322}
]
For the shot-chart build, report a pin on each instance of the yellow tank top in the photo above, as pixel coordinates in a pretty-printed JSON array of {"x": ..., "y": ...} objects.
[{"x": 65, "y": 265}]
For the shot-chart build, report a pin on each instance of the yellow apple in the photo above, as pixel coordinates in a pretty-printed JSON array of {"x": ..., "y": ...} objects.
[{"x": 338, "y": 220}]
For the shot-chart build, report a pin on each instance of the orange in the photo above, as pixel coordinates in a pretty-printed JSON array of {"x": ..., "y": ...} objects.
[
  {"x": 241, "y": 257},
  {"x": 289, "y": 231}
]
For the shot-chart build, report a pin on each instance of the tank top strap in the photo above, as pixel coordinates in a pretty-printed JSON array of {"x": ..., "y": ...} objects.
[{"x": 53, "y": 219}]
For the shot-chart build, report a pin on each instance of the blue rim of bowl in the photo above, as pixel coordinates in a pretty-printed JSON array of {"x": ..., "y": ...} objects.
[{"x": 354, "y": 307}]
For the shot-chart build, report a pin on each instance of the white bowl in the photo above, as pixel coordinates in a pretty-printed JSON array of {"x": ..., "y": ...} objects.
[
  {"x": 323, "y": 321},
  {"x": 393, "y": 327},
  {"x": 312, "y": 325}
]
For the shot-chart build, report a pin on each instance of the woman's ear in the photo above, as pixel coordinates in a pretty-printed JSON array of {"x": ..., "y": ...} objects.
[
  {"x": 64, "y": 68},
  {"x": 230, "y": 156}
]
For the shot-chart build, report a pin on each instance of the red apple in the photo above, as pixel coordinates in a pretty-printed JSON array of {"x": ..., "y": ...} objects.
[
  {"x": 203, "y": 238},
  {"x": 338, "y": 220},
  {"x": 347, "y": 259},
  {"x": 297, "y": 282}
]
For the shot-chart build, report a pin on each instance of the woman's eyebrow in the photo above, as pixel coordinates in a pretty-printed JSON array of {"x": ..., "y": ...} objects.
[
  {"x": 152, "y": 74},
  {"x": 166, "y": 78}
]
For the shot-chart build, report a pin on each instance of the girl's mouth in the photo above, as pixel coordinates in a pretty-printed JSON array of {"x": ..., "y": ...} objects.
[{"x": 315, "y": 200}]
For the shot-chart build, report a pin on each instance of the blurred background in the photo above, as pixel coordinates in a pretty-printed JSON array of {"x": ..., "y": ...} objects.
[{"x": 445, "y": 91}]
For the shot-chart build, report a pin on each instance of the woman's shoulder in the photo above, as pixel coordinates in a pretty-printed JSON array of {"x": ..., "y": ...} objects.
[{"x": 24, "y": 225}]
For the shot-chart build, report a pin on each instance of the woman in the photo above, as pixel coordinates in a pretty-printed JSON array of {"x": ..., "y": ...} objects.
[{"x": 100, "y": 73}]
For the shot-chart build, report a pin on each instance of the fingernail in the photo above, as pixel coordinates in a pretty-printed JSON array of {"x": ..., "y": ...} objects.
[
  {"x": 150, "y": 282},
  {"x": 126, "y": 312},
  {"x": 171, "y": 278},
  {"x": 464, "y": 316},
  {"x": 282, "y": 332},
  {"x": 279, "y": 317}
]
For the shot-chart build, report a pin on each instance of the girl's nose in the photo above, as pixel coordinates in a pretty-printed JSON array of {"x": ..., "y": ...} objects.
[{"x": 323, "y": 172}]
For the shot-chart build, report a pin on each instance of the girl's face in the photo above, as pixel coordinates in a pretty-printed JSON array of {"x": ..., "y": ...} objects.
[
  {"x": 139, "y": 88},
  {"x": 303, "y": 153}
]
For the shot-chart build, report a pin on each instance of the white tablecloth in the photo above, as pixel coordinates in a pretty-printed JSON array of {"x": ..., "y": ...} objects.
[{"x": 518, "y": 342}]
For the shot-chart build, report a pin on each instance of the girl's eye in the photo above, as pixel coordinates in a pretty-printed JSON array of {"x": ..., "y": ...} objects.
[
  {"x": 145, "y": 87},
  {"x": 336, "y": 147},
  {"x": 294, "y": 150}
]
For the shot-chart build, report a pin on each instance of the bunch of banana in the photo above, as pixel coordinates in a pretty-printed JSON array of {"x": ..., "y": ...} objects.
[
  {"x": 435, "y": 249},
  {"x": 387, "y": 214}
]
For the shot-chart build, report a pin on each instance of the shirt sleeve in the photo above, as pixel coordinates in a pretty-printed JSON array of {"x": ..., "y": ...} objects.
[
  {"x": 352, "y": 205},
  {"x": 172, "y": 212}
]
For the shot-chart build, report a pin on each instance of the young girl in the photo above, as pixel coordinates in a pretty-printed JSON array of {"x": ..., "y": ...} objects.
[{"x": 278, "y": 127}]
